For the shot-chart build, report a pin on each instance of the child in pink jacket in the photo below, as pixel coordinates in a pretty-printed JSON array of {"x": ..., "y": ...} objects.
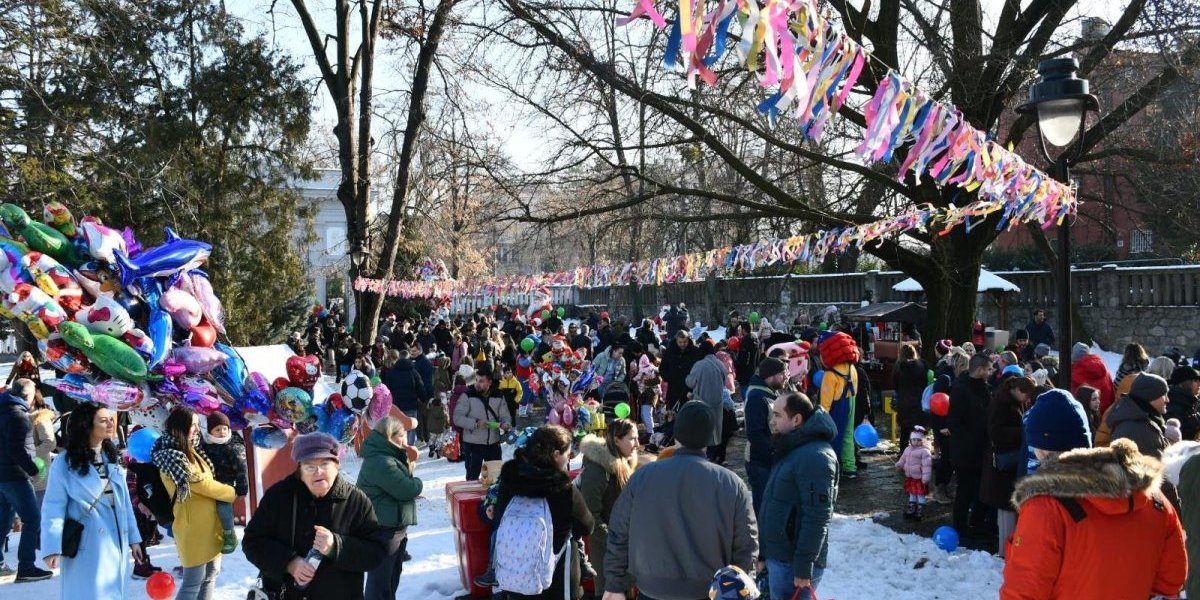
[{"x": 917, "y": 464}]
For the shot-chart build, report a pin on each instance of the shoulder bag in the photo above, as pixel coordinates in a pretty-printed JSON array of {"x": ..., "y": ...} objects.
[{"x": 72, "y": 533}]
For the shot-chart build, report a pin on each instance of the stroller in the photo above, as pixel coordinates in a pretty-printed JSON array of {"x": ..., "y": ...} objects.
[{"x": 614, "y": 394}]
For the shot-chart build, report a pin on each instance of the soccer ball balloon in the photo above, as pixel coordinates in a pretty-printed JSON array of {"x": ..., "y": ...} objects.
[{"x": 356, "y": 392}]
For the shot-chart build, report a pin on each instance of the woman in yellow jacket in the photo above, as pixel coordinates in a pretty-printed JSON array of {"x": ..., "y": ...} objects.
[{"x": 188, "y": 476}]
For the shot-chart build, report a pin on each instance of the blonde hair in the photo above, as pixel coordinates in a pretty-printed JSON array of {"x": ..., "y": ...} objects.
[
  {"x": 958, "y": 360},
  {"x": 390, "y": 426},
  {"x": 1161, "y": 366}
]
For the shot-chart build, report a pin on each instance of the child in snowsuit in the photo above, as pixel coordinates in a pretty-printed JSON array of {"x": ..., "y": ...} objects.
[
  {"x": 436, "y": 420},
  {"x": 917, "y": 464},
  {"x": 144, "y": 519},
  {"x": 227, "y": 451}
]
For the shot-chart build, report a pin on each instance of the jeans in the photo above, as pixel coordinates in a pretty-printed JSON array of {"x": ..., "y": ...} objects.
[
  {"x": 966, "y": 500},
  {"x": 225, "y": 515},
  {"x": 475, "y": 454},
  {"x": 758, "y": 475},
  {"x": 1006, "y": 524},
  {"x": 384, "y": 580},
  {"x": 197, "y": 582},
  {"x": 17, "y": 496},
  {"x": 648, "y": 417},
  {"x": 412, "y": 435},
  {"x": 780, "y": 578}
]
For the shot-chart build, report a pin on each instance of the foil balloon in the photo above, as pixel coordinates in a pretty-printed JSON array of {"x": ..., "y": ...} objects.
[
  {"x": 256, "y": 380},
  {"x": 341, "y": 424},
  {"x": 39, "y": 236},
  {"x": 303, "y": 371},
  {"x": 172, "y": 368},
  {"x": 197, "y": 284},
  {"x": 198, "y": 360},
  {"x": 58, "y": 216},
  {"x": 231, "y": 375},
  {"x": 381, "y": 403},
  {"x": 54, "y": 279},
  {"x": 256, "y": 401},
  {"x": 158, "y": 323},
  {"x": 293, "y": 404},
  {"x": 166, "y": 389},
  {"x": 140, "y": 342},
  {"x": 102, "y": 242},
  {"x": 278, "y": 421},
  {"x": 199, "y": 394},
  {"x": 203, "y": 335},
  {"x": 269, "y": 437},
  {"x": 175, "y": 255},
  {"x": 279, "y": 384},
  {"x": 36, "y": 309},
  {"x": 106, "y": 352},
  {"x": 118, "y": 395},
  {"x": 97, "y": 280},
  {"x": 59, "y": 353},
  {"x": 308, "y": 425},
  {"x": 74, "y": 389},
  {"x": 106, "y": 316},
  {"x": 182, "y": 306},
  {"x": 153, "y": 416}
]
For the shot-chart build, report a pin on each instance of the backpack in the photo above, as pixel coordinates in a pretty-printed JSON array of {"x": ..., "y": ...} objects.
[
  {"x": 925, "y": 396},
  {"x": 152, "y": 492},
  {"x": 525, "y": 556}
]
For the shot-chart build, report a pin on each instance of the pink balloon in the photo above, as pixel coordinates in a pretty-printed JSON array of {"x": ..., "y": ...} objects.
[
  {"x": 182, "y": 306},
  {"x": 119, "y": 395},
  {"x": 381, "y": 403},
  {"x": 198, "y": 360}
]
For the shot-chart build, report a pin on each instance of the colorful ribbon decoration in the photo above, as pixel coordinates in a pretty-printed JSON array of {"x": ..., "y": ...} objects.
[{"x": 811, "y": 64}]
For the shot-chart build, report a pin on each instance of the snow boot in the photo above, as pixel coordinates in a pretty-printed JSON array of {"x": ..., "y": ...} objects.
[
  {"x": 919, "y": 513},
  {"x": 231, "y": 542},
  {"x": 910, "y": 512}
]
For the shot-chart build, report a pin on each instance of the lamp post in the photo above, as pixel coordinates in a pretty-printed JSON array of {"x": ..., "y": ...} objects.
[
  {"x": 1061, "y": 102},
  {"x": 358, "y": 257}
]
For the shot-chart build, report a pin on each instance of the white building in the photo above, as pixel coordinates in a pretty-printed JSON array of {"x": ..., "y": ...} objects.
[{"x": 326, "y": 258}]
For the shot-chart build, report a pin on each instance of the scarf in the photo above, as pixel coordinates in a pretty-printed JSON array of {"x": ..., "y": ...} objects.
[{"x": 169, "y": 458}]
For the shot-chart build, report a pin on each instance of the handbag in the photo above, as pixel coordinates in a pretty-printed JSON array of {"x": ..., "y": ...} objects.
[
  {"x": 72, "y": 531},
  {"x": 259, "y": 590},
  {"x": 1008, "y": 461}
]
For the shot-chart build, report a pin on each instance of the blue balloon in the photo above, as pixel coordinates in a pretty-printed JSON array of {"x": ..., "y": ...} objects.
[
  {"x": 584, "y": 381},
  {"x": 256, "y": 401},
  {"x": 175, "y": 255},
  {"x": 158, "y": 322},
  {"x": 818, "y": 377},
  {"x": 946, "y": 538},
  {"x": 269, "y": 437},
  {"x": 866, "y": 436},
  {"x": 230, "y": 376},
  {"x": 141, "y": 442}
]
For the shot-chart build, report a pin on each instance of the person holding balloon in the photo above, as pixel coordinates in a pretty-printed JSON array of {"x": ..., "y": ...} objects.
[
  {"x": 87, "y": 485},
  {"x": 187, "y": 473},
  {"x": 42, "y": 417},
  {"x": 483, "y": 416}
]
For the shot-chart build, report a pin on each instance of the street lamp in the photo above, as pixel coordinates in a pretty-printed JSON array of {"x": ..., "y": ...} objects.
[
  {"x": 358, "y": 255},
  {"x": 1061, "y": 102}
]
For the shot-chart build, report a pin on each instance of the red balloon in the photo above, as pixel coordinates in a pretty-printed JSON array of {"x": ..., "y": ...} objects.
[
  {"x": 204, "y": 335},
  {"x": 303, "y": 371},
  {"x": 939, "y": 404},
  {"x": 160, "y": 586},
  {"x": 604, "y": 315},
  {"x": 280, "y": 383}
]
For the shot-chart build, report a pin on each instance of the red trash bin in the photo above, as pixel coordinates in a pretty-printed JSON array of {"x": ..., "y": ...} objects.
[{"x": 472, "y": 537}]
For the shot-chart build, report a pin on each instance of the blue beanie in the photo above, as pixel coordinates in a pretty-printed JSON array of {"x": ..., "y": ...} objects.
[
  {"x": 1013, "y": 370},
  {"x": 1058, "y": 423}
]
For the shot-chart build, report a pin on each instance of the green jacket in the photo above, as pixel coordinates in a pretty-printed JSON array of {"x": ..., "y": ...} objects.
[
  {"x": 387, "y": 481},
  {"x": 797, "y": 504}
]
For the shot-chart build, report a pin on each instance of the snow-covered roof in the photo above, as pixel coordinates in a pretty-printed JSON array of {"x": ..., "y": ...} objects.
[{"x": 988, "y": 282}]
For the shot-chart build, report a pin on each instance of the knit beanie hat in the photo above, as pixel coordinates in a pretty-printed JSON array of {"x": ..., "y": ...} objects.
[
  {"x": 1148, "y": 387},
  {"x": 770, "y": 367},
  {"x": 944, "y": 346},
  {"x": 918, "y": 433},
  {"x": 315, "y": 446},
  {"x": 693, "y": 425},
  {"x": 217, "y": 419},
  {"x": 1041, "y": 350},
  {"x": 1057, "y": 422},
  {"x": 1183, "y": 374},
  {"x": 1079, "y": 350}
]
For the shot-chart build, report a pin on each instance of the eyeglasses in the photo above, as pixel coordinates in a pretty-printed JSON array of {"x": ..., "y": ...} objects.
[{"x": 322, "y": 467}]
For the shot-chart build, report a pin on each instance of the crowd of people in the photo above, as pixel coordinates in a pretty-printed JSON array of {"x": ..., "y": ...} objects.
[{"x": 1053, "y": 475}]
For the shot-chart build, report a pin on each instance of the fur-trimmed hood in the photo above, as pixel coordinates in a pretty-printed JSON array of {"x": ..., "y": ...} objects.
[
  {"x": 594, "y": 449},
  {"x": 1105, "y": 477},
  {"x": 1175, "y": 456}
]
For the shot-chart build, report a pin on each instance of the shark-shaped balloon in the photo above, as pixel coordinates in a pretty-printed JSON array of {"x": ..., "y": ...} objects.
[{"x": 176, "y": 255}]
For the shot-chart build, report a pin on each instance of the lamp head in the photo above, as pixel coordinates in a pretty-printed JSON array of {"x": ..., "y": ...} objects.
[{"x": 1061, "y": 101}]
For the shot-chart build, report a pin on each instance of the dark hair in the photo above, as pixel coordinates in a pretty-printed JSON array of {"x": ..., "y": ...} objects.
[
  {"x": 979, "y": 360},
  {"x": 796, "y": 403},
  {"x": 179, "y": 427},
  {"x": 79, "y": 439},
  {"x": 1025, "y": 384},
  {"x": 542, "y": 444},
  {"x": 908, "y": 352},
  {"x": 777, "y": 353},
  {"x": 39, "y": 401},
  {"x": 1085, "y": 393}
]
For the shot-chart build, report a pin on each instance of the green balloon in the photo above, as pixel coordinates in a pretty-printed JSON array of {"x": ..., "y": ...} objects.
[
  {"x": 545, "y": 314},
  {"x": 561, "y": 311},
  {"x": 930, "y": 377},
  {"x": 106, "y": 352},
  {"x": 41, "y": 237},
  {"x": 493, "y": 424},
  {"x": 823, "y": 326},
  {"x": 999, "y": 349},
  {"x": 376, "y": 380},
  {"x": 527, "y": 345},
  {"x": 755, "y": 318},
  {"x": 622, "y": 410},
  {"x": 40, "y": 463}
]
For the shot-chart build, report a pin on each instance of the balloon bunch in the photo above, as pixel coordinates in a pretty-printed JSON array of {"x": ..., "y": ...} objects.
[{"x": 431, "y": 270}]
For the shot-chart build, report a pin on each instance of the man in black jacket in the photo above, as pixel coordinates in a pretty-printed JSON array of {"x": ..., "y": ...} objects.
[
  {"x": 1184, "y": 401},
  {"x": 677, "y": 361},
  {"x": 407, "y": 388},
  {"x": 16, "y": 469},
  {"x": 968, "y": 423}
]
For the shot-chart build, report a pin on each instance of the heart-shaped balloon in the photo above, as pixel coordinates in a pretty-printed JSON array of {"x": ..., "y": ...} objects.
[{"x": 303, "y": 371}]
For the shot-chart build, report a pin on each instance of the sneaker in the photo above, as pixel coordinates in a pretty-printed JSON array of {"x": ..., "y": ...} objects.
[
  {"x": 231, "y": 542},
  {"x": 33, "y": 574},
  {"x": 487, "y": 580},
  {"x": 7, "y": 571},
  {"x": 144, "y": 571}
]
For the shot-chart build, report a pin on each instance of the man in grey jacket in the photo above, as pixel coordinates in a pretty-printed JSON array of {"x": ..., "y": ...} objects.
[
  {"x": 483, "y": 416},
  {"x": 683, "y": 537},
  {"x": 707, "y": 382}
]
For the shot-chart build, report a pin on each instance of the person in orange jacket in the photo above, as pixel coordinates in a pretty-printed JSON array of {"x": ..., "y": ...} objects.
[{"x": 1079, "y": 505}]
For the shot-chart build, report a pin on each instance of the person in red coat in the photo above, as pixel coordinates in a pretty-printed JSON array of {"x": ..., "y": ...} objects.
[
  {"x": 1088, "y": 369},
  {"x": 1082, "y": 503}
]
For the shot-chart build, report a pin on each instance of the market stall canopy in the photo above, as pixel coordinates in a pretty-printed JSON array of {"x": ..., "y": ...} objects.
[
  {"x": 892, "y": 312},
  {"x": 988, "y": 282}
]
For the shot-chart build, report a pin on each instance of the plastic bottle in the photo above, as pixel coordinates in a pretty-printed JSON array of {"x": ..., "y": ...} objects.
[{"x": 313, "y": 558}]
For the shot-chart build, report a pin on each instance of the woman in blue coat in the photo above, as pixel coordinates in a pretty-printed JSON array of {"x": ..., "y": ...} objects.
[{"x": 90, "y": 472}]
